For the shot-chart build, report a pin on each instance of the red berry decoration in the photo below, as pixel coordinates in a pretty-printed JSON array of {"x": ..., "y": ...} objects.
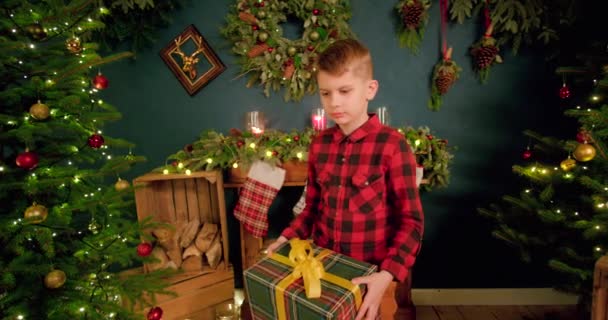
[
  {"x": 96, "y": 141},
  {"x": 255, "y": 27},
  {"x": 296, "y": 138},
  {"x": 100, "y": 81},
  {"x": 262, "y": 4},
  {"x": 155, "y": 313},
  {"x": 316, "y": 12},
  {"x": 564, "y": 92},
  {"x": 27, "y": 160},
  {"x": 429, "y": 136},
  {"x": 240, "y": 143},
  {"x": 527, "y": 154},
  {"x": 270, "y": 49},
  {"x": 144, "y": 249}
]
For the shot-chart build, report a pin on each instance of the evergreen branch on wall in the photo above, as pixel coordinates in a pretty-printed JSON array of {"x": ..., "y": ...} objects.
[
  {"x": 135, "y": 22},
  {"x": 519, "y": 22}
]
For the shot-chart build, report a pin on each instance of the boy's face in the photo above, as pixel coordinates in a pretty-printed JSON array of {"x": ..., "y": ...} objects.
[{"x": 345, "y": 97}]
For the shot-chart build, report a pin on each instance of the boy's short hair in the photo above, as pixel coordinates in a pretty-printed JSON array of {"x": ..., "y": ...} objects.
[{"x": 345, "y": 54}]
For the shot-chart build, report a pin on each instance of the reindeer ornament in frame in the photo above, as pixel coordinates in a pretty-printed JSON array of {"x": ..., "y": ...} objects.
[{"x": 193, "y": 68}]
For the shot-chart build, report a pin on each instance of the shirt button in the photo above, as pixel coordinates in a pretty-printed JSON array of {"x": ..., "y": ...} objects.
[
  {"x": 343, "y": 159},
  {"x": 366, "y": 183}
]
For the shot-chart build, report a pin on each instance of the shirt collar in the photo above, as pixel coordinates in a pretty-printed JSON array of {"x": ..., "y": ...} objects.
[{"x": 371, "y": 125}]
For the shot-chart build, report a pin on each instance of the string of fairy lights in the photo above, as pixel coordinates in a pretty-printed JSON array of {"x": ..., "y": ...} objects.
[
  {"x": 39, "y": 112},
  {"x": 583, "y": 153}
]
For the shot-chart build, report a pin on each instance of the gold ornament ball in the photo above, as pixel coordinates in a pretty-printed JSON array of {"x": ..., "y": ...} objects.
[
  {"x": 36, "y": 213},
  {"x": 261, "y": 14},
  {"x": 292, "y": 51},
  {"x": 568, "y": 164},
  {"x": 73, "y": 45},
  {"x": 54, "y": 279},
  {"x": 121, "y": 185},
  {"x": 263, "y": 36},
  {"x": 39, "y": 111},
  {"x": 584, "y": 152},
  {"x": 314, "y": 36}
]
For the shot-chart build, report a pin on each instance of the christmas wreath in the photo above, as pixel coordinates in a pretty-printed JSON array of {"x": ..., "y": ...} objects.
[{"x": 254, "y": 27}]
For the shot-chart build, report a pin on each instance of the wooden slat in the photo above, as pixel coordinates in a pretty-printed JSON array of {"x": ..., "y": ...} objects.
[
  {"x": 204, "y": 206},
  {"x": 172, "y": 176},
  {"x": 163, "y": 192},
  {"x": 476, "y": 312},
  {"x": 192, "y": 200},
  {"x": 449, "y": 313},
  {"x": 213, "y": 196},
  {"x": 179, "y": 198},
  {"x": 424, "y": 313},
  {"x": 223, "y": 220}
]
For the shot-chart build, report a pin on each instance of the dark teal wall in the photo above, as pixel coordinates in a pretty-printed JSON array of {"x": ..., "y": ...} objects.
[{"x": 484, "y": 121}]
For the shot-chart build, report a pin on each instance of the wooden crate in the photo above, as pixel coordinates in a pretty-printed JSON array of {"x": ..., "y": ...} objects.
[
  {"x": 174, "y": 198},
  {"x": 179, "y": 197},
  {"x": 197, "y": 297}
]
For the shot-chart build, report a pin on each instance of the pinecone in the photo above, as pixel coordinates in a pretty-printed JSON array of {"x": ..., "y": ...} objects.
[
  {"x": 289, "y": 70},
  {"x": 257, "y": 50},
  {"x": 484, "y": 56},
  {"x": 248, "y": 17},
  {"x": 411, "y": 13},
  {"x": 444, "y": 80}
]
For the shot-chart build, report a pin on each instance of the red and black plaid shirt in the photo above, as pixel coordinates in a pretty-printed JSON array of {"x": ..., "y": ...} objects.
[{"x": 362, "y": 199}]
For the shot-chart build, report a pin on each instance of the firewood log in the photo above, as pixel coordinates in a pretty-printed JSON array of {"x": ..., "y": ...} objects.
[
  {"x": 189, "y": 232},
  {"x": 159, "y": 254},
  {"x": 214, "y": 253},
  {"x": 205, "y": 236},
  {"x": 192, "y": 250},
  {"x": 193, "y": 263}
]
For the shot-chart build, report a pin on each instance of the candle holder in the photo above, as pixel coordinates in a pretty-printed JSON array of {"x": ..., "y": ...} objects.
[
  {"x": 383, "y": 117},
  {"x": 255, "y": 122},
  {"x": 227, "y": 311},
  {"x": 318, "y": 119}
]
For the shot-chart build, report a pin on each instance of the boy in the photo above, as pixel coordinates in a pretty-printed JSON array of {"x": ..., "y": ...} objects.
[{"x": 361, "y": 199}]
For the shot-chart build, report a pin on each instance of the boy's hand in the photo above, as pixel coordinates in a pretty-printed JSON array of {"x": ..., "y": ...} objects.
[
  {"x": 273, "y": 246},
  {"x": 376, "y": 285}
]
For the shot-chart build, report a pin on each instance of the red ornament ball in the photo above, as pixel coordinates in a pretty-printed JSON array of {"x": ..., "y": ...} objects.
[
  {"x": 270, "y": 49},
  {"x": 255, "y": 27},
  {"x": 316, "y": 12},
  {"x": 155, "y": 313},
  {"x": 144, "y": 249},
  {"x": 429, "y": 136},
  {"x": 240, "y": 143},
  {"x": 96, "y": 141},
  {"x": 100, "y": 82},
  {"x": 296, "y": 138},
  {"x": 583, "y": 137},
  {"x": 527, "y": 154},
  {"x": 564, "y": 92},
  {"x": 27, "y": 160},
  {"x": 310, "y": 48}
]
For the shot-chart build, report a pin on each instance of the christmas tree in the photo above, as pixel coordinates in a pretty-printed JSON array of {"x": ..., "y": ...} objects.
[
  {"x": 560, "y": 218},
  {"x": 67, "y": 221}
]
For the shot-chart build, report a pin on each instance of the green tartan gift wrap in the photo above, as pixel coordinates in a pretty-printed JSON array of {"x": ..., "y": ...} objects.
[{"x": 280, "y": 286}]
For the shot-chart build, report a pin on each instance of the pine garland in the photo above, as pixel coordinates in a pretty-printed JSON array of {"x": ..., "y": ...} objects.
[{"x": 270, "y": 59}]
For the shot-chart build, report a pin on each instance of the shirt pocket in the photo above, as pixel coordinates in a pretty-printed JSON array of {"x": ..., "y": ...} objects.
[{"x": 367, "y": 192}]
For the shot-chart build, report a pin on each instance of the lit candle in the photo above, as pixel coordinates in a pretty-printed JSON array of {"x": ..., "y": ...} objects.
[{"x": 319, "y": 121}]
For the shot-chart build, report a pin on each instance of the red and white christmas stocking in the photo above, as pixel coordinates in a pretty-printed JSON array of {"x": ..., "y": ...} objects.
[{"x": 259, "y": 190}]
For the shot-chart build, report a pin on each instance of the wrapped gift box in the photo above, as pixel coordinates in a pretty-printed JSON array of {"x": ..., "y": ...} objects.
[{"x": 274, "y": 291}]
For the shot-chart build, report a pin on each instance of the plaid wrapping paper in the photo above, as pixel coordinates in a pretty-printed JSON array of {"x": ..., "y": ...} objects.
[{"x": 335, "y": 302}]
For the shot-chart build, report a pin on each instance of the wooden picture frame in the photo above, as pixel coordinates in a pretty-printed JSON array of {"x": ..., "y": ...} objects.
[{"x": 195, "y": 69}]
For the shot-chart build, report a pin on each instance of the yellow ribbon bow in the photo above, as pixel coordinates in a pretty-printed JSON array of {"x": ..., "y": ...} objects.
[{"x": 306, "y": 266}]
